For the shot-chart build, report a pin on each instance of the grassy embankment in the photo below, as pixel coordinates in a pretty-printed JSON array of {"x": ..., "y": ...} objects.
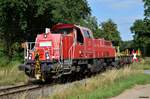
[
  {"x": 9, "y": 73},
  {"x": 108, "y": 84}
]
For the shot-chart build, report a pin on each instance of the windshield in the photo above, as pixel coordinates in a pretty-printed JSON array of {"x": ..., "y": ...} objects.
[{"x": 63, "y": 31}]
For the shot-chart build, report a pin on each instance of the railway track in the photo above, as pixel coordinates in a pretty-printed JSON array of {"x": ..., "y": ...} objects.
[{"x": 17, "y": 89}]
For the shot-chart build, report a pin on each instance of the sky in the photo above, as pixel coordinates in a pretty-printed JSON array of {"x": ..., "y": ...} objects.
[{"x": 122, "y": 12}]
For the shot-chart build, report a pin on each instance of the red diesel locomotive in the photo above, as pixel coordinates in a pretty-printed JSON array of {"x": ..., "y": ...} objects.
[{"x": 67, "y": 49}]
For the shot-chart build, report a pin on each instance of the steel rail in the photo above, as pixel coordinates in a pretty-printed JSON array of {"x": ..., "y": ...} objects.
[{"x": 17, "y": 89}]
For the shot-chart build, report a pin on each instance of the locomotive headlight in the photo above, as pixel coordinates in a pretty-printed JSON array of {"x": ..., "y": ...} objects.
[
  {"x": 47, "y": 56},
  {"x": 45, "y": 35},
  {"x": 30, "y": 56}
]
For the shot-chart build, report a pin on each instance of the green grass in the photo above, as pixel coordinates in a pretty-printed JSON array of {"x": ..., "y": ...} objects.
[
  {"x": 144, "y": 65},
  {"x": 9, "y": 74},
  {"x": 115, "y": 88},
  {"x": 108, "y": 84}
]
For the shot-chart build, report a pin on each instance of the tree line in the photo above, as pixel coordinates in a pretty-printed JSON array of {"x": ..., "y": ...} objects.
[{"x": 22, "y": 20}]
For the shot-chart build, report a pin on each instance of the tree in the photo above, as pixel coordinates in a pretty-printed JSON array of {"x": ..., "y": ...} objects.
[
  {"x": 76, "y": 10},
  {"x": 24, "y": 19},
  {"x": 147, "y": 8},
  {"x": 110, "y": 31},
  {"x": 141, "y": 27},
  {"x": 141, "y": 30},
  {"x": 126, "y": 45}
]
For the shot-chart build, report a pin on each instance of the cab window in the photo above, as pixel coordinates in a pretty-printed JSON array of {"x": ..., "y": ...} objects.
[
  {"x": 86, "y": 34},
  {"x": 80, "y": 38}
]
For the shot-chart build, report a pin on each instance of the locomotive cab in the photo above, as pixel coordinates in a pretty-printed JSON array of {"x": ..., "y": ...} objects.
[{"x": 46, "y": 54}]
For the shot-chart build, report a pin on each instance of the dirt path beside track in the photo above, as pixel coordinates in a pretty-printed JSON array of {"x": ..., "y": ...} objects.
[{"x": 137, "y": 92}]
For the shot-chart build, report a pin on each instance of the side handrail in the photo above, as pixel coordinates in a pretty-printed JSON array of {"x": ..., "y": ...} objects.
[{"x": 72, "y": 48}]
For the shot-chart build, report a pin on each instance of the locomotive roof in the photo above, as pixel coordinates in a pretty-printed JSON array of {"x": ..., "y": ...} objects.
[{"x": 62, "y": 25}]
